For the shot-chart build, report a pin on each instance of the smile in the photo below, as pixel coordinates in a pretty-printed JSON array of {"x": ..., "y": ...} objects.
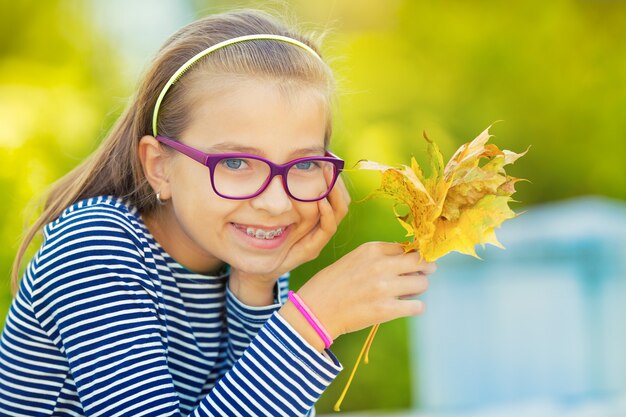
[{"x": 259, "y": 233}]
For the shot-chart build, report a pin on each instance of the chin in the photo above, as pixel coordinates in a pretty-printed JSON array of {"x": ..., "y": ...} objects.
[{"x": 257, "y": 267}]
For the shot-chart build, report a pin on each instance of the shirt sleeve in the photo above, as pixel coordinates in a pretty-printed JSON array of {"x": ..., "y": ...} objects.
[
  {"x": 279, "y": 374},
  {"x": 95, "y": 300},
  {"x": 245, "y": 323}
]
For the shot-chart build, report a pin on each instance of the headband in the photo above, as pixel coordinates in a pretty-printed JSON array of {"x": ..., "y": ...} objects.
[{"x": 213, "y": 48}]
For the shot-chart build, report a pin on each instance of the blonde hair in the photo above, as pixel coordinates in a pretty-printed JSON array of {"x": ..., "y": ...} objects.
[{"x": 115, "y": 169}]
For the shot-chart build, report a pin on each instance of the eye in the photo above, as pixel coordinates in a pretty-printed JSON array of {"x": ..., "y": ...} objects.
[
  {"x": 233, "y": 163},
  {"x": 306, "y": 165}
]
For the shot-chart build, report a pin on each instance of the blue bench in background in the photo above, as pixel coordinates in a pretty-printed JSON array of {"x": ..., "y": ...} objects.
[{"x": 543, "y": 320}]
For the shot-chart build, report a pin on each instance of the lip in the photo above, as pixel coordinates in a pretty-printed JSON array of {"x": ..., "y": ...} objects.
[
  {"x": 259, "y": 226},
  {"x": 266, "y": 244}
]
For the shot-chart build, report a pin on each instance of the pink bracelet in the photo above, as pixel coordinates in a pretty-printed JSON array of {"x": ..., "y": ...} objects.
[{"x": 310, "y": 317}]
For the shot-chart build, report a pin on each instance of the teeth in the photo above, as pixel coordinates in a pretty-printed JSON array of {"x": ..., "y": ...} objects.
[{"x": 262, "y": 234}]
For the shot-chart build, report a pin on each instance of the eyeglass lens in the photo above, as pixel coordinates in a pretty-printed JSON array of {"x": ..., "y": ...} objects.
[{"x": 243, "y": 177}]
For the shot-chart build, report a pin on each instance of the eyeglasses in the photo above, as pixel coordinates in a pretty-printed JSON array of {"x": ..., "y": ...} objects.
[{"x": 239, "y": 176}]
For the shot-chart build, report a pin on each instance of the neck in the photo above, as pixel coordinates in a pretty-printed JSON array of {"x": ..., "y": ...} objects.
[{"x": 168, "y": 233}]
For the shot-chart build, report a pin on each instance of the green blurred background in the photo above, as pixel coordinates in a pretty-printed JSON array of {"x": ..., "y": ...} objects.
[{"x": 553, "y": 72}]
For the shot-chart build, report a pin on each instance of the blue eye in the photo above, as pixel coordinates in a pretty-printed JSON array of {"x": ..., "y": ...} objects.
[
  {"x": 234, "y": 163},
  {"x": 305, "y": 165}
]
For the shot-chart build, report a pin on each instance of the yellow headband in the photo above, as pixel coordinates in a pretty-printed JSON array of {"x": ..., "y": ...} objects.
[{"x": 215, "y": 47}]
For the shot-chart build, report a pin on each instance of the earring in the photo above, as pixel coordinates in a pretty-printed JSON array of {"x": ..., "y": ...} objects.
[{"x": 158, "y": 198}]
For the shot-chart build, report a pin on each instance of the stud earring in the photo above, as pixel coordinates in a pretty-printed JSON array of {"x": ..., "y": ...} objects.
[{"x": 158, "y": 198}]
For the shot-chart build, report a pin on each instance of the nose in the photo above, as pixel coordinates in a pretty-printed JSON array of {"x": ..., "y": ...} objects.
[{"x": 274, "y": 199}]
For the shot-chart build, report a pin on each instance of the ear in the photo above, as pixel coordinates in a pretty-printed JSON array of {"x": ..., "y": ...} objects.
[{"x": 155, "y": 161}]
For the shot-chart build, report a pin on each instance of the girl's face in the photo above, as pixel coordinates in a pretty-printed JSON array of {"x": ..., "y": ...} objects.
[{"x": 203, "y": 230}]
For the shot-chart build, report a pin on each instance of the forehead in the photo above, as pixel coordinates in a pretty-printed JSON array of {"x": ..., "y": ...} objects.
[{"x": 274, "y": 118}]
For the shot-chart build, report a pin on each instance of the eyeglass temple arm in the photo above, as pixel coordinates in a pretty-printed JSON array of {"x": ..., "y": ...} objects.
[
  {"x": 182, "y": 148},
  {"x": 341, "y": 161},
  {"x": 201, "y": 156}
]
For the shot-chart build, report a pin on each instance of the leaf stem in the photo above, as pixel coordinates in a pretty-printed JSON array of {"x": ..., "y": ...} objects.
[
  {"x": 368, "y": 343},
  {"x": 364, "y": 350}
]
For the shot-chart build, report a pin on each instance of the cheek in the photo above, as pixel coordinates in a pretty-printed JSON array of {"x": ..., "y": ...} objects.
[
  {"x": 309, "y": 214},
  {"x": 191, "y": 181},
  {"x": 194, "y": 199}
]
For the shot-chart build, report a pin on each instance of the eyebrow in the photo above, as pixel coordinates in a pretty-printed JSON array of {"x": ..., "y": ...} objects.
[{"x": 226, "y": 147}]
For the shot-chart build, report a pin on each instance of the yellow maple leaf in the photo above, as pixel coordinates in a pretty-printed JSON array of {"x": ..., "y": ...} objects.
[
  {"x": 455, "y": 208},
  {"x": 459, "y": 205}
]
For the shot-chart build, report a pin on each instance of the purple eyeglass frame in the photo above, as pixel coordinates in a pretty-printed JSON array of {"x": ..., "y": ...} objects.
[{"x": 211, "y": 160}]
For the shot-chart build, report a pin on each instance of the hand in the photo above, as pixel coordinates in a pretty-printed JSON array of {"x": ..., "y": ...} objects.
[
  {"x": 257, "y": 290},
  {"x": 332, "y": 210},
  {"x": 374, "y": 283}
]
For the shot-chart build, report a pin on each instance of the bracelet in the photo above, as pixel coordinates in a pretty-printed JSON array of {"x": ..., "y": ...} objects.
[{"x": 310, "y": 317}]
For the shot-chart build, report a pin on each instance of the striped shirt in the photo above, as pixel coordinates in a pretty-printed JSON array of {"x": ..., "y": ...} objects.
[{"x": 106, "y": 323}]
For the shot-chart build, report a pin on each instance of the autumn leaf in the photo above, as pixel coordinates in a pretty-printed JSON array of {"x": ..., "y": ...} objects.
[{"x": 457, "y": 206}]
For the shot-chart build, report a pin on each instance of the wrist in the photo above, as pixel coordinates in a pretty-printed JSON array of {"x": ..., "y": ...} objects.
[
  {"x": 291, "y": 315},
  {"x": 324, "y": 309},
  {"x": 311, "y": 318},
  {"x": 252, "y": 291}
]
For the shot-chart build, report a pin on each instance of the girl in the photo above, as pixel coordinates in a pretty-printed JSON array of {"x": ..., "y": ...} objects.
[{"x": 161, "y": 285}]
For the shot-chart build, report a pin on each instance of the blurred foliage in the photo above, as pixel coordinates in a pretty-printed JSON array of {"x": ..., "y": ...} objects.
[
  {"x": 58, "y": 87},
  {"x": 552, "y": 71}
]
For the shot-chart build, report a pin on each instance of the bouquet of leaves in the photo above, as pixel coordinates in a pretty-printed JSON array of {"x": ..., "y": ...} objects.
[{"x": 459, "y": 205}]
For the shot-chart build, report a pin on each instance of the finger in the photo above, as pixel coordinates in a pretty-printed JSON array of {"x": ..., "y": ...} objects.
[
  {"x": 423, "y": 268},
  {"x": 341, "y": 185},
  {"x": 412, "y": 307},
  {"x": 328, "y": 222},
  {"x": 428, "y": 268},
  {"x": 325, "y": 229},
  {"x": 311, "y": 244},
  {"x": 392, "y": 249},
  {"x": 412, "y": 263},
  {"x": 409, "y": 286},
  {"x": 347, "y": 195},
  {"x": 385, "y": 249},
  {"x": 404, "y": 308},
  {"x": 339, "y": 199},
  {"x": 340, "y": 190}
]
